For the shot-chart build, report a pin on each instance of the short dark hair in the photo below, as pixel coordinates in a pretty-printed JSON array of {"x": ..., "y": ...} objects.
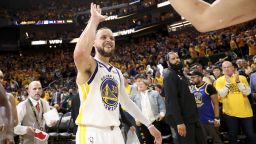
[
  {"x": 216, "y": 68},
  {"x": 197, "y": 73}
]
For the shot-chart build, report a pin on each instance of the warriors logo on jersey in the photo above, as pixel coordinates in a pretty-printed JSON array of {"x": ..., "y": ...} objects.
[
  {"x": 109, "y": 93},
  {"x": 198, "y": 98}
]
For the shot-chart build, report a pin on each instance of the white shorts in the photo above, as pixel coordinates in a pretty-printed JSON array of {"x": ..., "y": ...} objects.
[{"x": 96, "y": 135}]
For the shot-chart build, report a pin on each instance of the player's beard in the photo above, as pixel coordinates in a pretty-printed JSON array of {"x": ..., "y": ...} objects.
[
  {"x": 104, "y": 53},
  {"x": 196, "y": 83}
]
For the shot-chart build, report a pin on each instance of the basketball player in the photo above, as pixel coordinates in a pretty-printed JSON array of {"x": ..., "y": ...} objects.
[
  {"x": 101, "y": 88},
  {"x": 220, "y": 14},
  {"x": 5, "y": 116},
  {"x": 14, "y": 118}
]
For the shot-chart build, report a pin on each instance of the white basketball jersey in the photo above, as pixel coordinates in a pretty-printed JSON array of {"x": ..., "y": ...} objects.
[{"x": 99, "y": 98}]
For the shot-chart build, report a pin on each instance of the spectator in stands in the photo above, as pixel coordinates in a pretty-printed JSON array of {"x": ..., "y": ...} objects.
[
  {"x": 66, "y": 98},
  {"x": 56, "y": 99},
  {"x": 30, "y": 114},
  {"x": 5, "y": 117},
  {"x": 234, "y": 89},
  {"x": 251, "y": 45},
  {"x": 153, "y": 108},
  {"x": 207, "y": 78},
  {"x": 241, "y": 67},
  {"x": 253, "y": 80},
  {"x": 75, "y": 105},
  {"x": 14, "y": 119},
  {"x": 217, "y": 72},
  {"x": 158, "y": 78},
  {"x": 181, "y": 111},
  {"x": 208, "y": 106}
]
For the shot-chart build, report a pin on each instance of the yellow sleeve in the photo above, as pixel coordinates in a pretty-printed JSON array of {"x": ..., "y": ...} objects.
[
  {"x": 244, "y": 80},
  {"x": 220, "y": 83}
]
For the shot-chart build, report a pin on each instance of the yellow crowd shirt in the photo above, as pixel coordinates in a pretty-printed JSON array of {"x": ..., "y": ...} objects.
[
  {"x": 159, "y": 80},
  {"x": 235, "y": 103}
]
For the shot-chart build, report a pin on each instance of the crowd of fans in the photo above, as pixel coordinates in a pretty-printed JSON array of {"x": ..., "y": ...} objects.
[
  {"x": 65, "y": 9},
  {"x": 136, "y": 23},
  {"x": 141, "y": 56},
  {"x": 131, "y": 57}
]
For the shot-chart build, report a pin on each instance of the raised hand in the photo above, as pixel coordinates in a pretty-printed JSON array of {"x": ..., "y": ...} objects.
[{"x": 96, "y": 13}]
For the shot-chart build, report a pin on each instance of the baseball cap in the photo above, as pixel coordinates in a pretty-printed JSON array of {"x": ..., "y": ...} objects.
[{"x": 196, "y": 73}]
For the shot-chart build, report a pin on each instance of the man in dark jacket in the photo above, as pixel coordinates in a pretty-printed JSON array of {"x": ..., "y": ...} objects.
[{"x": 181, "y": 110}]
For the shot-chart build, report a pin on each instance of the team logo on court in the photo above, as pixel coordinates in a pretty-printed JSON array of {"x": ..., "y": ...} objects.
[{"x": 109, "y": 93}]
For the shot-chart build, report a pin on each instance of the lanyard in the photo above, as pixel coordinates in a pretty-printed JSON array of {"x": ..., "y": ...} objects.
[{"x": 33, "y": 108}]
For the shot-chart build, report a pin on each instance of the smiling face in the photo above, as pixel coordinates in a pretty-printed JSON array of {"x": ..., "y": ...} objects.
[
  {"x": 35, "y": 90},
  {"x": 104, "y": 42}
]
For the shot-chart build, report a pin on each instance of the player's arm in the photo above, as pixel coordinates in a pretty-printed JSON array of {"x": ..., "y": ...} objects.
[
  {"x": 82, "y": 55},
  {"x": 133, "y": 110},
  {"x": 243, "y": 86},
  {"x": 214, "y": 97},
  {"x": 130, "y": 106},
  {"x": 4, "y": 105},
  {"x": 14, "y": 110},
  {"x": 220, "y": 14},
  {"x": 222, "y": 86}
]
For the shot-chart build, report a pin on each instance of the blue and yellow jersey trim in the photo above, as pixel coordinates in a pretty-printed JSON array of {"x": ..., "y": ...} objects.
[
  {"x": 205, "y": 89},
  {"x": 85, "y": 89}
]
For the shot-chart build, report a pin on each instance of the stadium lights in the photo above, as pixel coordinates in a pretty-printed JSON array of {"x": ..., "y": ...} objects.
[
  {"x": 75, "y": 40},
  {"x": 124, "y": 32},
  {"x": 57, "y": 41},
  {"x": 46, "y": 22},
  {"x": 121, "y": 33},
  {"x": 174, "y": 27},
  {"x": 44, "y": 42},
  {"x": 134, "y": 2},
  {"x": 162, "y": 4},
  {"x": 112, "y": 17},
  {"x": 142, "y": 29},
  {"x": 40, "y": 42},
  {"x": 69, "y": 21}
]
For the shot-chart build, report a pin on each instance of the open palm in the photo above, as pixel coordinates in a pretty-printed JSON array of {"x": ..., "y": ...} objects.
[{"x": 96, "y": 13}]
